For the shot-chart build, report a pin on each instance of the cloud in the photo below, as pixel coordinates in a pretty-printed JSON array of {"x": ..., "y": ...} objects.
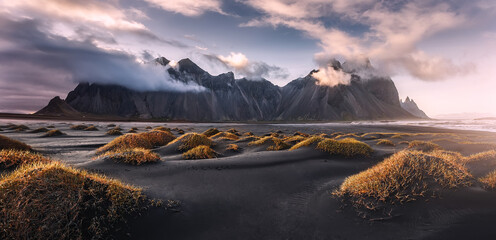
[
  {"x": 393, "y": 32},
  {"x": 98, "y": 17},
  {"x": 253, "y": 70},
  {"x": 190, "y": 8},
  {"x": 36, "y": 63}
]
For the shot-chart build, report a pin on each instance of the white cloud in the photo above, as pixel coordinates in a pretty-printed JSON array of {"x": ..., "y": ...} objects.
[
  {"x": 394, "y": 31},
  {"x": 190, "y": 8}
]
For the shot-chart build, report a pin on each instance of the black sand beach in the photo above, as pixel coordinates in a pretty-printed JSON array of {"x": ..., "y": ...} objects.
[{"x": 260, "y": 194}]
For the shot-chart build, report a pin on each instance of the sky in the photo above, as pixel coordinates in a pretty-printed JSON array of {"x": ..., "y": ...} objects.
[{"x": 440, "y": 53}]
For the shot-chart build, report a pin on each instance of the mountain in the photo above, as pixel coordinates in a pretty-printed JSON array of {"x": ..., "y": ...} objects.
[
  {"x": 410, "y": 106},
  {"x": 58, "y": 107},
  {"x": 228, "y": 99}
]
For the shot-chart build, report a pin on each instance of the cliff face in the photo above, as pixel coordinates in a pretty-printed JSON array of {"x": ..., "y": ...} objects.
[
  {"x": 229, "y": 99},
  {"x": 410, "y": 106}
]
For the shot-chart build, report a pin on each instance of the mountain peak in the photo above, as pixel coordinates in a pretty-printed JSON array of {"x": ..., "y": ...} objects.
[
  {"x": 186, "y": 65},
  {"x": 162, "y": 61}
]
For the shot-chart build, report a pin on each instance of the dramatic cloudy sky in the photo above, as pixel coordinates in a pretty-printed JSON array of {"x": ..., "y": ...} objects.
[{"x": 440, "y": 53}]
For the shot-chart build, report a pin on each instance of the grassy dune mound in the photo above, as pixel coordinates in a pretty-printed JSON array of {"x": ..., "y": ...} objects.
[
  {"x": 91, "y": 128},
  {"x": 54, "y": 201},
  {"x": 275, "y": 144},
  {"x": 225, "y": 136},
  {"x": 307, "y": 142},
  {"x": 385, "y": 142},
  {"x": 114, "y": 132},
  {"x": 191, "y": 140},
  {"x": 348, "y": 147},
  {"x": 9, "y": 143},
  {"x": 18, "y": 128},
  {"x": 200, "y": 152},
  {"x": 40, "y": 130},
  {"x": 423, "y": 146},
  {"x": 294, "y": 139},
  {"x": 481, "y": 157},
  {"x": 79, "y": 127},
  {"x": 489, "y": 181},
  {"x": 13, "y": 158},
  {"x": 403, "y": 177},
  {"x": 165, "y": 129},
  {"x": 53, "y": 133},
  {"x": 232, "y": 148},
  {"x": 134, "y": 156},
  {"x": 145, "y": 140},
  {"x": 210, "y": 132}
]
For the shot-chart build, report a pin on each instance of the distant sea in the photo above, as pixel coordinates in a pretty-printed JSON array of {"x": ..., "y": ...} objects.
[{"x": 488, "y": 125}]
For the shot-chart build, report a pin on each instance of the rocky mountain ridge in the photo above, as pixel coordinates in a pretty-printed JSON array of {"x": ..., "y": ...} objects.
[{"x": 228, "y": 99}]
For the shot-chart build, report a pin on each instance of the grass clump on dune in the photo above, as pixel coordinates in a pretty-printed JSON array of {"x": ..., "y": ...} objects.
[
  {"x": 423, "y": 146},
  {"x": 275, "y": 143},
  {"x": 145, "y": 140},
  {"x": 348, "y": 147},
  {"x": 210, "y": 132},
  {"x": 54, "y": 201},
  {"x": 192, "y": 140},
  {"x": 53, "y": 133},
  {"x": 114, "y": 132},
  {"x": 232, "y": 148},
  {"x": 200, "y": 152},
  {"x": 483, "y": 156},
  {"x": 39, "y": 130},
  {"x": 225, "y": 136},
  {"x": 307, "y": 142},
  {"x": 166, "y": 129},
  {"x": 134, "y": 156},
  {"x": 9, "y": 143},
  {"x": 10, "y": 158},
  {"x": 489, "y": 181},
  {"x": 403, "y": 177},
  {"x": 91, "y": 128},
  {"x": 78, "y": 127},
  {"x": 294, "y": 139},
  {"x": 19, "y": 128},
  {"x": 385, "y": 142}
]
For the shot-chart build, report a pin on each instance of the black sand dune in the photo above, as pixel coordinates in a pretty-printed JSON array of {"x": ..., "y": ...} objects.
[{"x": 258, "y": 194}]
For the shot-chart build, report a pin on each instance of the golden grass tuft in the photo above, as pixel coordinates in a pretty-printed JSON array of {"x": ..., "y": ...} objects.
[
  {"x": 307, "y": 142},
  {"x": 225, "y": 136},
  {"x": 192, "y": 140},
  {"x": 54, "y": 201},
  {"x": 489, "y": 181},
  {"x": 40, "y": 130},
  {"x": 210, "y": 132},
  {"x": 424, "y": 146},
  {"x": 275, "y": 144},
  {"x": 403, "y": 177},
  {"x": 145, "y": 140},
  {"x": 19, "y": 128},
  {"x": 200, "y": 152},
  {"x": 53, "y": 133},
  {"x": 232, "y": 148},
  {"x": 9, "y": 143},
  {"x": 248, "y": 134},
  {"x": 91, "y": 128},
  {"x": 148, "y": 127},
  {"x": 481, "y": 157},
  {"x": 294, "y": 139},
  {"x": 114, "y": 132},
  {"x": 78, "y": 127},
  {"x": 10, "y": 158},
  {"x": 348, "y": 147},
  {"x": 297, "y": 133},
  {"x": 165, "y": 129},
  {"x": 134, "y": 156},
  {"x": 232, "y": 130},
  {"x": 385, "y": 142}
]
